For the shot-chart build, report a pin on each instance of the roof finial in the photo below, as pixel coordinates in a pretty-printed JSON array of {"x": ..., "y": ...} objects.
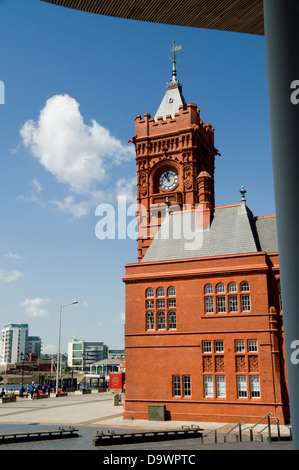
[
  {"x": 243, "y": 192},
  {"x": 174, "y": 55}
]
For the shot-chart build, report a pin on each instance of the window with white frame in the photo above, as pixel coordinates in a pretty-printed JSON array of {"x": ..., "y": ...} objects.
[
  {"x": 150, "y": 304},
  {"x": 207, "y": 346},
  {"x": 156, "y": 302},
  {"x": 233, "y": 303},
  {"x": 220, "y": 288},
  {"x": 171, "y": 303},
  {"x": 187, "y": 385},
  {"x": 208, "y": 386},
  {"x": 208, "y": 289},
  {"x": 161, "y": 321},
  {"x": 171, "y": 291},
  {"x": 220, "y": 386},
  {"x": 171, "y": 320},
  {"x": 242, "y": 386},
  {"x": 160, "y": 292},
  {"x": 252, "y": 345},
  {"x": 239, "y": 345},
  {"x": 244, "y": 286},
  {"x": 160, "y": 303},
  {"x": 150, "y": 321},
  {"x": 221, "y": 308},
  {"x": 150, "y": 292},
  {"x": 209, "y": 304},
  {"x": 255, "y": 390},
  {"x": 245, "y": 303},
  {"x": 232, "y": 287},
  {"x": 176, "y": 385},
  {"x": 219, "y": 347}
]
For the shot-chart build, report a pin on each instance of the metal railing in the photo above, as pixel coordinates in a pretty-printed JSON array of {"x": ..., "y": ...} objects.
[
  {"x": 208, "y": 433},
  {"x": 252, "y": 427},
  {"x": 268, "y": 425},
  {"x": 238, "y": 435}
]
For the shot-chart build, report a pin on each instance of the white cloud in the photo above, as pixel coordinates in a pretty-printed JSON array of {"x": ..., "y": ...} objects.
[
  {"x": 35, "y": 191},
  {"x": 37, "y": 186},
  {"x": 70, "y": 206},
  {"x": 75, "y": 153},
  {"x": 120, "y": 318},
  {"x": 78, "y": 208},
  {"x": 35, "y": 307},
  {"x": 49, "y": 349},
  {"x": 9, "y": 276},
  {"x": 13, "y": 256},
  {"x": 127, "y": 187}
]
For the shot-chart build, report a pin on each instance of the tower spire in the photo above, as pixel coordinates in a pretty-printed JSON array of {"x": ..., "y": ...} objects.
[
  {"x": 173, "y": 97},
  {"x": 174, "y": 56}
]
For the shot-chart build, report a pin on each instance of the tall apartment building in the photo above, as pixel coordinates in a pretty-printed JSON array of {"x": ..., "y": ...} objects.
[
  {"x": 14, "y": 342},
  {"x": 82, "y": 354},
  {"x": 34, "y": 345}
]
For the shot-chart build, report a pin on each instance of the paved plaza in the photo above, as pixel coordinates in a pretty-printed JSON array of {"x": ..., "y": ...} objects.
[{"x": 96, "y": 411}]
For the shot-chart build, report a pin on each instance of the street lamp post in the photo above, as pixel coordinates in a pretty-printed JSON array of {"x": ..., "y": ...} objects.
[
  {"x": 59, "y": 333},
  {"x": 23, "y": 365}
]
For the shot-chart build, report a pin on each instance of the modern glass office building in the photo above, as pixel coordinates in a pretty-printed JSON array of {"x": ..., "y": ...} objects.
[{"x": 82, "y": 354}]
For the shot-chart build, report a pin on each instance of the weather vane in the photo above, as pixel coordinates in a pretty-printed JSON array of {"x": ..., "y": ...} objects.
[{"x": 174, "y": 50}]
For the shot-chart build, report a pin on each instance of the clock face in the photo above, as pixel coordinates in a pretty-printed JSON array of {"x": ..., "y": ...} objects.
[{"x": 168, "y": 179}]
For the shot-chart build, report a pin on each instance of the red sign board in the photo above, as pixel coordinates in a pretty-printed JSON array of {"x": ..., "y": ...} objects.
[{"x": 116, "y": 381}]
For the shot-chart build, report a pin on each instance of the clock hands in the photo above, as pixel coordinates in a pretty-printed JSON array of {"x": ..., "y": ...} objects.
[{"x": 168, "y": 179}]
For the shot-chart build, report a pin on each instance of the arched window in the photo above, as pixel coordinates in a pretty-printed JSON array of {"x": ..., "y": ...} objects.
[
  {"x": 160, "y": 292},
  {"x": 220, "y": 288},
  {"x": 171, "y": 291},
  {"x": 233, "y": 299},
  {"x": 209, "y": 301},
  {"x": 150, "y": 321},
  {"x": 149, "y": 292},
  {"x": 161, "y": 321},
  {"x": 208, "y": 289},
  {"x": 244, "y": 286},
  {"x": 232, "y": 287},
  {"x": 171, "y": 320},
  {"x": 245, "y": 298}
]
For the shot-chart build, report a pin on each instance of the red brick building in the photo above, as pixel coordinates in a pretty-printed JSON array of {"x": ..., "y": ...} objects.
[{"x": 204, "y": 329}]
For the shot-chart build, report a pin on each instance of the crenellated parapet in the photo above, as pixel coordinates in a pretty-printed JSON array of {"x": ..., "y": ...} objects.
[{"x": 185, "y": 121}]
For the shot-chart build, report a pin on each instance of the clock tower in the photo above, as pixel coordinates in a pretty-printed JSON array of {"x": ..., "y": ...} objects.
[{"x": 175, "y": 157}]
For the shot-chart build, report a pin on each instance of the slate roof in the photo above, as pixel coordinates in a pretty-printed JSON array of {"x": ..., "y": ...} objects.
[
  {"x": 233, "y": 230},
  {"x": 172, "y": 100},
  {"x": 267, "y": 233}
]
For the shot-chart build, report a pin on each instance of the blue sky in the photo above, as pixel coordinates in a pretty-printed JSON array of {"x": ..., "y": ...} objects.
[{"x": 74, "y": 83}]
